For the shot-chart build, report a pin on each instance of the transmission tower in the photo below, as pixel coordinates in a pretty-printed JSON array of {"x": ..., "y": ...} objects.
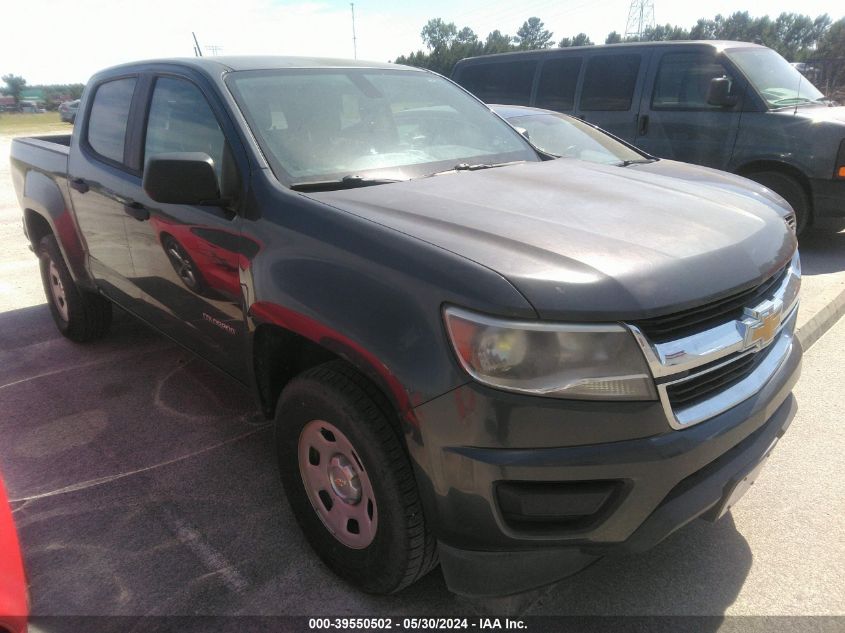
[{"x": 640, "y": 18}]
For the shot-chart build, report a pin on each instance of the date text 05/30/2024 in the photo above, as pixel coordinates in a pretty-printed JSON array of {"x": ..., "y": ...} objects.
[{"x": 414, "y": 624}]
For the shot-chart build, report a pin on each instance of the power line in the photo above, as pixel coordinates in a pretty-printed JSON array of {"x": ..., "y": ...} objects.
[{"x": 214, "y": 48}]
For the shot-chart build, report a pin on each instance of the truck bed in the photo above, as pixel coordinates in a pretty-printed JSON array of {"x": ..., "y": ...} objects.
[{"x": 48, "y": 154}]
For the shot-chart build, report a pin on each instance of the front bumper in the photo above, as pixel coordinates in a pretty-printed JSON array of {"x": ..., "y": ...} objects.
[{"x": 473, "y": 439}]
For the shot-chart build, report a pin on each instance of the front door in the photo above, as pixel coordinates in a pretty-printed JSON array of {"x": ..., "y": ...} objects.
[
  {"x": 676, "y": 120},
  {"x": 187, "y": 258}
]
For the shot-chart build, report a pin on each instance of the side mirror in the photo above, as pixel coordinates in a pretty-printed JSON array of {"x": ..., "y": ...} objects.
[
  {"x": 718, "y": 92},
  {"x": 182, "y": 178}
]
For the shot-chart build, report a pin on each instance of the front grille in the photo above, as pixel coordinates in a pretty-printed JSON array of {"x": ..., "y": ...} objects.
[
  {"x": 703, "y": 385},
  {"x": 681, "y": 324},
  {"x": 791, "y": 222}
]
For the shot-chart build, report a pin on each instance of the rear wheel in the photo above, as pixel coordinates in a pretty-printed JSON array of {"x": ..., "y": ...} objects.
[
  {"x": 349, "y": 481},
  {"x": 790, "y": 190},
  {"x": 79, "y": 315}
]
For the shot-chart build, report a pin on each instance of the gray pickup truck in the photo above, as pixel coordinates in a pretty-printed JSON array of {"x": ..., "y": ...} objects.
[{"x": 473, "y": 354}]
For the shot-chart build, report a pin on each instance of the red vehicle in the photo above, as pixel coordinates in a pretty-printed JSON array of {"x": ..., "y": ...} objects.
[
  {"x": 14, "y": 605},
  {"x": 205, "y": 259}
]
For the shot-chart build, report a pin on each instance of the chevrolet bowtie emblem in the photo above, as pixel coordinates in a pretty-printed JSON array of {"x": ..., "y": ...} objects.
[{"x": 760, "y": 324}]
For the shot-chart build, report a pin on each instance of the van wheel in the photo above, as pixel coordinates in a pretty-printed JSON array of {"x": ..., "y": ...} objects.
[
  {"x": 790, "y": 190},
  {"x": 80, "y": 315},
  {"x": 349, "y": 481}
]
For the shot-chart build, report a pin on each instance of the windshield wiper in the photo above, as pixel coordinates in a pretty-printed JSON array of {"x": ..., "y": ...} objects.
[
  {"x": 473, "y": 167},
  {"x": 794, "y": 100},
  {"x": 639, "y": 161},
  {"x": 351, "y": 181}
]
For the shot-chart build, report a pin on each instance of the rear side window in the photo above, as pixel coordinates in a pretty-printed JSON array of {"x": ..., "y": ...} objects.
[
  {"x": 558, "y": 78},
  {"x": 508, "y": 83},
  {"x": 610, "y": 82},
  {"x": 109, "y": 116},
  {"x": 684, "y": 79}
]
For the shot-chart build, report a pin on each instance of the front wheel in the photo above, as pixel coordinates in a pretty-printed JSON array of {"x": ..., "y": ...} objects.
[
  {"x": 79, "y": 315},
  {"x": 349, "y": 481},
  {"x": 790, "y": 190}
]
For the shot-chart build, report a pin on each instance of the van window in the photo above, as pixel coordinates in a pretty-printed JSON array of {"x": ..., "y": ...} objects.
[
  {"x": 683, "y": 80},
  {"x": 609, "y": 82},
  {"x": 558, "y": 78},
  {"x": 109, "y": 116},
  {"x": 508, "y": 83}
]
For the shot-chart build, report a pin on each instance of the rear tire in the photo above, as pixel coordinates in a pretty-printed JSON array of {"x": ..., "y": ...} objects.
[
  {"x": 79, "y": 315},
  {"x": 790, "y": 190},
  {"x": 351, "y": 414}
]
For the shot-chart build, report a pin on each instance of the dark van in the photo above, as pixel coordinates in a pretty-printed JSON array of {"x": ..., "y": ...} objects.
[{"x": 734, "y": 106}]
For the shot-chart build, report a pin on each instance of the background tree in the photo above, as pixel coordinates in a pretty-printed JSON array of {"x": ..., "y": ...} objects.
[
  {"x": 532, "y": 35},
  {"x": 14, "y": 86},
  {"x": 437, "y": 34},
  {"x": 498, "y": 42},
  {"x": 832, "y": 47},
  {"x": 579, "y": 40},
  {"x": 613, "y": 38}
]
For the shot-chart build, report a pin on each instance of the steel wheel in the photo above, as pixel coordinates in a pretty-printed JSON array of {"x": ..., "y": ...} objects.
[
  {"x": 80, "y": 315},
  {"x": 337, "y": 484},
  {"x": 57, "y": 291}
]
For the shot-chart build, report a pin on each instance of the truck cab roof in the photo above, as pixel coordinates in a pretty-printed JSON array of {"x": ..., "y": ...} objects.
[{"x": 231, "y": 63}]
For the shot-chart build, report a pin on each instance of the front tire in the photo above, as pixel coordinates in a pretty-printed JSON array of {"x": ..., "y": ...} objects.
[
  {"x": 790, "y": 190},
  {"x": 79, "y": 315},
  {"x": 349, "y": 481}
]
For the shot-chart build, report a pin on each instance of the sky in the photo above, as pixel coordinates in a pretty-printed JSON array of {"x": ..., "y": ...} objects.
[{"x": 67, "y": 41}]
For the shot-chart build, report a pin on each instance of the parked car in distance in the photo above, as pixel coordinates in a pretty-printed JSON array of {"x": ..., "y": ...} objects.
[
  {"x": 29, "y": 107},
  {"x": 566, "y": 136},
  {"x": 733, "y": 106},
  {"x": 472, "y": 352},
  {"x": 67, "y": 111}
]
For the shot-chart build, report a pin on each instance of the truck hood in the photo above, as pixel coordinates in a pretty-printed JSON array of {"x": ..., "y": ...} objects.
[
  {"x": 835, "y": 114},
  {"x": 584, "y": 241},
  {"x": 719, "y": 179}
]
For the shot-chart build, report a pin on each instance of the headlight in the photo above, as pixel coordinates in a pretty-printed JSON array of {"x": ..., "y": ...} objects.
[{"x": 560, "y": 360}]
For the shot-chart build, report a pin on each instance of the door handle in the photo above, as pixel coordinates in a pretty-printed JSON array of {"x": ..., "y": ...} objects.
[
  {"x": 642, "y": 128},
  {"x": 136, "y": 210},
  {"x": 80, "y": 185}
]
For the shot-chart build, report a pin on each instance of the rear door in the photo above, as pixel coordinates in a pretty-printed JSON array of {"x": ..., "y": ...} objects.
[
  {"x": 188, "y": 258},
  {"x": 611, "y": 88},
  {"x": 676, "y": 120},
  {"x": 558, "y": 82},
  {"x": 100, "y": 171},
  {"x": 500, "y": 82}
]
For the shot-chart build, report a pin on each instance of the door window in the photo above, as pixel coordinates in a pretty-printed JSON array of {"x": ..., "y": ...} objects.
[
  {"x": 109, "y": 116},
  {"x": 507, "y": 83},
  {"x": 609, "y": 82},
  {"x": 558, "y": 78},
  {"x": 684, "y": 79},
  {"x": 181, "y": 120}
]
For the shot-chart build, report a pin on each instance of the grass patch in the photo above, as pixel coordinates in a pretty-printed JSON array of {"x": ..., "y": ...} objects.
[{"x": 25, "y": 124}]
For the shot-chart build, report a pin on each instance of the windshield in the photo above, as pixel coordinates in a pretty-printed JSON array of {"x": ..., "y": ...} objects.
[
  {"x": 331, "y": 124},
  {"x": 561, "y": 135},
  {"x": 774, "y": 78}
]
